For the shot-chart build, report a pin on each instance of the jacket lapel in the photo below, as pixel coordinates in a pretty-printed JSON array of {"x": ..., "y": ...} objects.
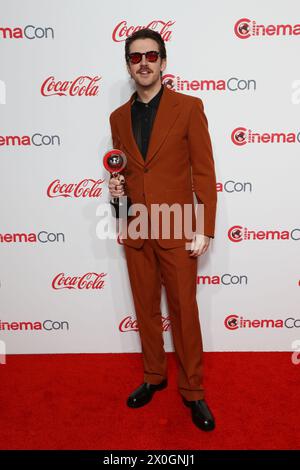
[
  {"x": 126, "y": 132},
  {"x": 167, "y": 113}
]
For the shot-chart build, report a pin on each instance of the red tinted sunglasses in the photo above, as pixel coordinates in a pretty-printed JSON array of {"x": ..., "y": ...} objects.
[{"x": 136, "y": 57}]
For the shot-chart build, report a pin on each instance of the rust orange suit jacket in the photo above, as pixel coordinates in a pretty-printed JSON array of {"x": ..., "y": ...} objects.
[{"x": 179, "y": 161}]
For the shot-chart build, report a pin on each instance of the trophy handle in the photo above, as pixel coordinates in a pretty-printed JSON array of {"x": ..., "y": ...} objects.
[{"x": 115, "y": 200}]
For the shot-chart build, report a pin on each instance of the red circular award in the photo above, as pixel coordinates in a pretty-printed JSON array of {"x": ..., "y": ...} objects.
[{"x": 115, "y": 161}]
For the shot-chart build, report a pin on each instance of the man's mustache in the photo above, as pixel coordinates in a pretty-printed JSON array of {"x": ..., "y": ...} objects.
[{"x": 144, "y": 70}]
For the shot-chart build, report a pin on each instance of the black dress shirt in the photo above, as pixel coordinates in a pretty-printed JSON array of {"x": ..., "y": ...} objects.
[{"x": 142, "y": 118}]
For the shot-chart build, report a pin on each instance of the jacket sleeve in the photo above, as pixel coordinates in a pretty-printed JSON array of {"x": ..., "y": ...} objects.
[
  {"x": 202, "y": 163},
  {"x": 114, "y": 138}
]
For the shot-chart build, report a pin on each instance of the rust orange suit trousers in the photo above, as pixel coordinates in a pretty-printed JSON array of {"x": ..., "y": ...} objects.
[{"x": 147, "y": 266}]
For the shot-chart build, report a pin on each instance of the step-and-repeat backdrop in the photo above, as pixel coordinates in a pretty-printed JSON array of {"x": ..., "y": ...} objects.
[{"x": 62, "y": 72}]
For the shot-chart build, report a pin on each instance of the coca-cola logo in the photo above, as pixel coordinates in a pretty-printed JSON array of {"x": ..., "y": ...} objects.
[
  {"x": 81, "y": 86},
  {"x": 89, "y": 280},
  {"x": 130, "y": 324},
  {"x": 85, "y": 188},
  {"x": 123, "y": 31}
]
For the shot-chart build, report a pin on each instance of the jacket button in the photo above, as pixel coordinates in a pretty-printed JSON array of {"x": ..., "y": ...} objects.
[{"x": 146, "y": 170}]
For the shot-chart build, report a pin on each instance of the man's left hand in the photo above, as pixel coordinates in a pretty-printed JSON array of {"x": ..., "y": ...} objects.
[{"x": 199, "y": 245}]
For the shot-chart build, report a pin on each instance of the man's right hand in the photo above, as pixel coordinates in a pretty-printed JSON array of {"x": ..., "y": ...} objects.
[{"x": 116, "y": 186}]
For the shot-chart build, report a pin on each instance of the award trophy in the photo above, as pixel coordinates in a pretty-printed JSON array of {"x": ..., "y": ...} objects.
[{"x": 115, "y": 161}]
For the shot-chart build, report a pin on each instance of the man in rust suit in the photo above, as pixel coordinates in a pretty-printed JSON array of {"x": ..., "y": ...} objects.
[{"x": 164, "y": 135}]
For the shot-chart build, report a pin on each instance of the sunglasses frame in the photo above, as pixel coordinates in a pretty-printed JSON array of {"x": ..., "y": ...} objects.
[{"x": 141, "y": 56}]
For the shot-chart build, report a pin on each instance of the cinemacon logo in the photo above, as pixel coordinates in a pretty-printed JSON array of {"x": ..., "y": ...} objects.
[
  {"x": 241, "y": 136},
  {"x": 90, "y": 280},
  {"x": 238, "y": 233},
  {"x": 231, "y": 186},
  {"x": 122, "y": 30},
  {"x": 235, "y": 322},
  {"x": 225, "y": 279},
  {"x": 129, "y": 323},
  {"x": 40, "y": 237},
  {"x": 37, "y": 139},
  {"x": 177, "y": 83},
  {"x": 85, "y": 188},
  {"x": 27, "y": 32},
  {"x": 47, "y": 325},
  {"x": 244, "y": 28},
  {"x": 84, "y": 85}
]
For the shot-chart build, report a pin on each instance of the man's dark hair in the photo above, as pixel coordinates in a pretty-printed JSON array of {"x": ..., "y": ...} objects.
[{"x": 146, "y": 33}]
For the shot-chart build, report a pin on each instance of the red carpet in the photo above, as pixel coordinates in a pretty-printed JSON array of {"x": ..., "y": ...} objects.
[{"x": 78, "y": 401}]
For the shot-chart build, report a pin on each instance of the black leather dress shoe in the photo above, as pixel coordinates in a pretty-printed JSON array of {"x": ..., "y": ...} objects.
[
  {"x": 142, "y": 395},
  {"x": 201, "y": 414}
]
